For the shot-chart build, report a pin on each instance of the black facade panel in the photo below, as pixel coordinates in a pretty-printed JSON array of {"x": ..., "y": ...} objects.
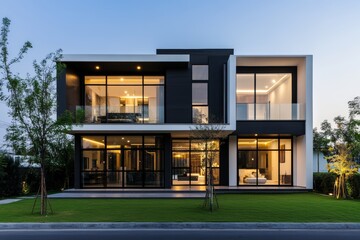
[
  {"x": 211, "y": 51},
  {"x": 167, "y": 161},
  {"x": 73, "y": 90},
  {"x": 77, "y": 162},
  {"x": 199, "y": 59},
  {"x": 296, "y": 128},
  {"x": 178, "y": 96},
  {"x": 216, "y": 88},
  {"x": 224, "y": 162},
  {"x": 61, "y": 92}
]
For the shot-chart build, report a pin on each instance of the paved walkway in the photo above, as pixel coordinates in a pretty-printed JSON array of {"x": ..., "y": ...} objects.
[
  {"x": 127, "y": 195},
  {"x": 6, "y": 201}
]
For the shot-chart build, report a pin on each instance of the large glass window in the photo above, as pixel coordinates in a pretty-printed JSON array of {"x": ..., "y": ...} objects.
[
  {"x": 200, "y": 108},
  {"x": 264, "y": 96},
  {"x": 264, "y": 161},
  {"x": 124, "y": 99},
  {"x": 189, "y": 161},
  {"x": 122, "y": 161}
]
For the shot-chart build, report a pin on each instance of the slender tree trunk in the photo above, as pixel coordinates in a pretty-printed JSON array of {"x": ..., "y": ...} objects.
[{"x": 42, "y": 192}]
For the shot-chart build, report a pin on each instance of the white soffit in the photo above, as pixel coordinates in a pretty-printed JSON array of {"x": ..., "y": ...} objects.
[
  {"x": 267, "y": 60},
  {"x": 125, "y": 58}
]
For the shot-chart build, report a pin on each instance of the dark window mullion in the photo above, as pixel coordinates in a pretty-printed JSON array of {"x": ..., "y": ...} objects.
[{"x": 255, "y": 97}]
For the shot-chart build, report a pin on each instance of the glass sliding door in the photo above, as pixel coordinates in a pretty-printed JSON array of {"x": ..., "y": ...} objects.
[
  {"x": 122, "y": 161},
  {"x": 189, "y": 162},
  {"x": 265, "y": 161}
]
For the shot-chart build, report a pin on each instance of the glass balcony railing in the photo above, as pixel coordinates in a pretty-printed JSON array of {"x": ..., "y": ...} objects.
[
  {"x": 247, "y": 111},
  {"x": 123, "y": 114}
]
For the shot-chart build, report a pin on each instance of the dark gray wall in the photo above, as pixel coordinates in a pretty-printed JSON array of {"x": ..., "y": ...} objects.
[
  {"x": 179, "y": 85},
  {"x": 68, "y": 91},
  {"x": 77, "y": 162},
  {"x": 292, "y": 127},
  {"x": 178, "y": 96}
]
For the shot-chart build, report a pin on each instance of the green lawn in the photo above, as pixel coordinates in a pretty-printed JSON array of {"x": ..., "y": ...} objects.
[{"x": 300, "y": 207}]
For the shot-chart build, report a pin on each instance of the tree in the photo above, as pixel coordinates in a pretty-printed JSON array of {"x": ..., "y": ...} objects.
[
  {"x": 62, "y": 152},
  {"x": 342, "y": 165},
  {"x": 341, "y": 146},
  {"x": 32, "y": 104},
  {"x": 320, "y": 144},
  {"x": 209, "y": 134}
]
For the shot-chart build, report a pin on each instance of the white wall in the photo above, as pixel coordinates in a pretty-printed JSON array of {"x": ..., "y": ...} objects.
[
  {"x": 281, "y": 95},
  {"x": 319, "y": 162}
]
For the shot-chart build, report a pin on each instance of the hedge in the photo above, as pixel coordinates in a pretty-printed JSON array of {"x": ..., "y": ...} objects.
[{"x": 324, "y": 183}]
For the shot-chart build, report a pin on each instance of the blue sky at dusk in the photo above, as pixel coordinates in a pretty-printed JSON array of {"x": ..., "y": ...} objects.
[{"x": 329, "y": 30}]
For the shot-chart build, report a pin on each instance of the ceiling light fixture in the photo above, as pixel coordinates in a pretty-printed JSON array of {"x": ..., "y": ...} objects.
[
  {"x": 128, "y": 141},
  {"x": 273, "y": 81},
  {"x": 97, "y": 67},
  {"x": 121, "y": 79},
  {"x": 138, "y": 67}
]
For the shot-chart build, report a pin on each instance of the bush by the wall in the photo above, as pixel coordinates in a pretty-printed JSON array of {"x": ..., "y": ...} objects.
[
  {"x": 10, "y": 179},
  {"x": 354, "y": 184},
  {"x": 324, "y": 182}
]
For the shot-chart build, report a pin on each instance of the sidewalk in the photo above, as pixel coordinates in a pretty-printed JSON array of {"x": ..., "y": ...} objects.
[{"x": 175, "y": 225}]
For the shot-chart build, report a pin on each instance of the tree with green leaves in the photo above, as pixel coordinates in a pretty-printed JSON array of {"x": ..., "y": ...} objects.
[
  {"x": 341, "y": 146},
  {"x": 210, "y": 136},
  {"x": 62, "y": 152},
  {"x": 320, "y": 145},
  {"x": 32, "y": 103}
]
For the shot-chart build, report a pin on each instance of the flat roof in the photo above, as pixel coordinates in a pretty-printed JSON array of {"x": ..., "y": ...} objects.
[{"x": 125, "y": 58}]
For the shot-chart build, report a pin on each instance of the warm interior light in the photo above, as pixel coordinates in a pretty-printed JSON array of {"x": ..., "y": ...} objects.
[
  {"x": 273, "y": 81},
  {"x": 97, "y": 67},
  {"x": 92, "y": 141},
  {"x": 121, "y": 79},
  {"x": 128, "y": 141},
  {"x": 266, "y": 86},
  {"x": 122, "y": 138},
  {"x": 138, "y": 67}
]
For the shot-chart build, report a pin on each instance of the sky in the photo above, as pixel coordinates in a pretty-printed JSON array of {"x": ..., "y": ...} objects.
[{"x": 327, "y": 29}]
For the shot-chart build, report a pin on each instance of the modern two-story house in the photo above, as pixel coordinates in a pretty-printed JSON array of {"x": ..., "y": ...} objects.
[{"x": 138, "y": 111}]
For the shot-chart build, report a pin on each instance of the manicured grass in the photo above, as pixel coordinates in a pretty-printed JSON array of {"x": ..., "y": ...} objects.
[{"x": 300, "y": 207}]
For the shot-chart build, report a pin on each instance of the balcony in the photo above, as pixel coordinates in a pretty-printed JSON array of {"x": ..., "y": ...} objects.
[
  {"x": 247, "y": 111},
  {"x": 124, "y": 114}
]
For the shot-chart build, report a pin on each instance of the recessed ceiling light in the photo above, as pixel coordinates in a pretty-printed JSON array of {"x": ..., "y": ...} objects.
[
  {"x": 138, "y": 67},
  {"x": 122, "y": 138},
  {"x": 97, "y": 67},
  {"x": 128, "y": 141},
  {"x": 273, "y": 81},
  {"x": 266, "y": 86}
]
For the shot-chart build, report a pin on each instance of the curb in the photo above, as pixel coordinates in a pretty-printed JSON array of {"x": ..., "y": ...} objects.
[{"x": 181, "y": 225}]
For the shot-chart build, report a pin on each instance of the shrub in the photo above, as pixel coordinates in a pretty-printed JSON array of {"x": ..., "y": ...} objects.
[
  {"x": 324, "y": 182},
  {"x": 10, "y": 180},
  {"x": 354, "y": 185}
]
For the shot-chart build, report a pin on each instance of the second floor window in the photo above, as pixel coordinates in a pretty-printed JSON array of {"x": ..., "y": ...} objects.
[
  {"x": 124, "y": 99},
  {"x": 264, "y": 96}
]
